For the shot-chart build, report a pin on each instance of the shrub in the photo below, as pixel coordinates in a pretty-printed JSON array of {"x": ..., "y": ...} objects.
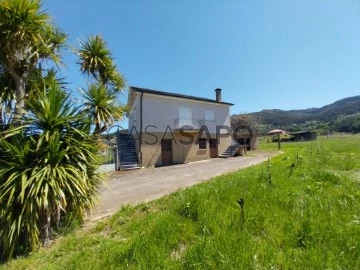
[{"x": 47, "y": 172}]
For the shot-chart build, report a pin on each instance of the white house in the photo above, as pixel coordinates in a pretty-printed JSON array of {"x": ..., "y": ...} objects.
[{"x": 171, "y": 128}]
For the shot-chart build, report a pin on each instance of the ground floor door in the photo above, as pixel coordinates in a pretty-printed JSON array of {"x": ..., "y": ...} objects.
[
  {"x": 166, "y": 151},
  {"x": 213, "y": 148}
]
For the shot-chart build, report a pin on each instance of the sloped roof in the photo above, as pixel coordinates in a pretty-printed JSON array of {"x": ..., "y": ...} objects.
[
  {"x": 170, "y": 94},
  {"x": 276, "y": 131},
  {"x": 302, "y": 132}
]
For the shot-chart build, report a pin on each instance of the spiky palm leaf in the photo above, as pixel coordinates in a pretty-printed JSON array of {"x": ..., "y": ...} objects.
[
  {"x": 95, "y": 59},
  {"x": 42, "y": 79},
  {"x": 47, "y": 171},
  {"x": 21, "y": 22},
  {"x": 101, "y": 106},
  {"x": 26, "y": 36}
]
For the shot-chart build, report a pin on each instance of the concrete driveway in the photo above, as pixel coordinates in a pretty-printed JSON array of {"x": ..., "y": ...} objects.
[{"x": 133, "y": 187}]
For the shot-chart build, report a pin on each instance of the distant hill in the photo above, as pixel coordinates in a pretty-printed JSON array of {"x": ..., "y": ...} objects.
[{"x": 326, "y": 115}]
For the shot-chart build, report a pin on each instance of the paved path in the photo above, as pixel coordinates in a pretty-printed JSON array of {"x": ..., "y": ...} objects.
[{"x": 133, "y": 187}]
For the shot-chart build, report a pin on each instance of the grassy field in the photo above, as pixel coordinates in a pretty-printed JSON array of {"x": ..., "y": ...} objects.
[{"x": 301, "y": 211}]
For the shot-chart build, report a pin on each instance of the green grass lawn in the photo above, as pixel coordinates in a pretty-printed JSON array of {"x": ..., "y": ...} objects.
[{"x": 308, "y": 217}]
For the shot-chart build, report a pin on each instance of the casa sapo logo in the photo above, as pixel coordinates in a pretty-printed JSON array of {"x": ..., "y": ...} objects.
[{"x": 183, "y": 136}]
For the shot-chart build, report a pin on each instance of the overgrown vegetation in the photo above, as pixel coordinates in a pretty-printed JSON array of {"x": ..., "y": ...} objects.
[
  {"x": 306, "y": 217},
  {"x": 47, "y": 172},
  {"x": 348, "y": 123},
  {"x": 48, "y": 149}
]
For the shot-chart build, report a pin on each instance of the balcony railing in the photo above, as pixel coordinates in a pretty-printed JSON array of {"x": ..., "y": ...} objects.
[{"x": 188, "y": 124}]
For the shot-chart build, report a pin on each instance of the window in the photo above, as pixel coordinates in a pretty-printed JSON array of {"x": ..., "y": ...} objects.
[
  {"x": 185, "y": 112},
  {"x": 202, "y": 143},
  {"x": 185, "y": 116},
  {"x": 209, "y": 115}
]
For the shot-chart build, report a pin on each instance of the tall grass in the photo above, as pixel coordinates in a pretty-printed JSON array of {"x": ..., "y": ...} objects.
[{"x": 308, "y": 219}]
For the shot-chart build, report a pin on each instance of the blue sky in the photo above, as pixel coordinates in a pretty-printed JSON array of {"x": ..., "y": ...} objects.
[{"x": 263, "y": 54}]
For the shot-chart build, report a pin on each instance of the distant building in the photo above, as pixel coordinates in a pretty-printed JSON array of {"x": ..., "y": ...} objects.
[
  {"x": 303, "y": 136},
  {"x": 277, "y": 131}
]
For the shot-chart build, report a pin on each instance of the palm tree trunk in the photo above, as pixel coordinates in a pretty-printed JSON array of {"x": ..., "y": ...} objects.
[
  {"x": 20, "y": 87},
  {"x": 97, "y": 128},
  {"x": 1, "y": 116},
  {"x": 45, "y": 226},
  {"x": 20, "y": 97}
]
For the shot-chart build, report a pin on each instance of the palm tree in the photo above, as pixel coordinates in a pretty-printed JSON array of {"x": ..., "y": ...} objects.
[
  {"x": 7, "y": 95},
  {"x": 42, "y": 79},
  {"x": 95, "y": 59},
  {"x": 101, "y": 106},
  {"x": 26, "y": 37},
  {"x": 47, "y": 172},
  {"x": 37, "y": 81}
]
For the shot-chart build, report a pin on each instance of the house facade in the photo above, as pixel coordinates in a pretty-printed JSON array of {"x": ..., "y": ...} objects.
[{"x": 170, "y": 128}]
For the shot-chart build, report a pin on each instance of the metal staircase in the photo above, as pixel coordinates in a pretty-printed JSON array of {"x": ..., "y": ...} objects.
[{"x": 128, "y": 158}]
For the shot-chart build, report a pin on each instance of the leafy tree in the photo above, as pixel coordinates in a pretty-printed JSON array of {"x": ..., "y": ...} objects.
[
  {"x": 47, "y": 171},
  {"x": 348, "y": 123},
  {"x": 26, "y": 38},
  {"x": 244, "y": 120},
  {"x": 245, "y": 129}
]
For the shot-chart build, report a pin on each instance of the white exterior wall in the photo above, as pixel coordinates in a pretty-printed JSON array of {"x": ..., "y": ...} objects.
[
  {"x": 134, "y": 115},
  {"x": 162, "y": 112},
  {"x": 159, "y": 114}
]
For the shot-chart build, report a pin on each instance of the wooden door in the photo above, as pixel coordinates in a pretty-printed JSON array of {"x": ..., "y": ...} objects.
[
  {"x": 213, "y": 148},
  {"x": 166, "y": 151}
]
